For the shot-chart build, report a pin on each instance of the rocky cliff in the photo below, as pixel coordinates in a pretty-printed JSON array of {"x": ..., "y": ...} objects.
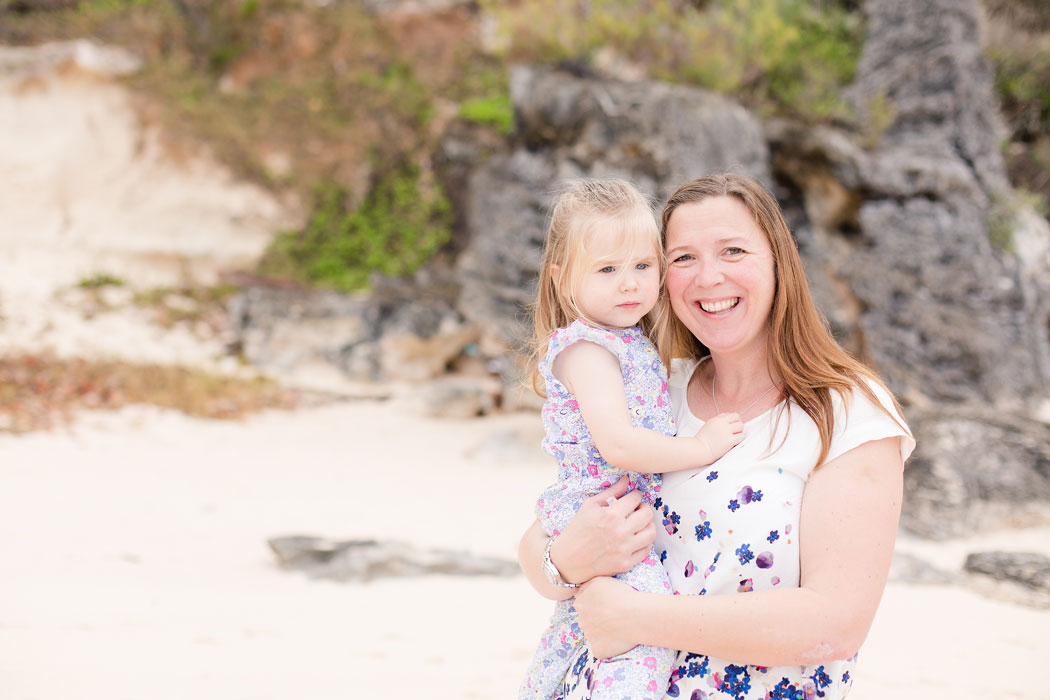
[{"x": 896, "y": 222}]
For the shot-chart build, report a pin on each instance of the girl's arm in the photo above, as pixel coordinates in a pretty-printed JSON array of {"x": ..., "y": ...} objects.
[
  {"x": 603, "y": 538},
  {"x": 850, "y": 511},
  {"x": 593, "y": 375}
]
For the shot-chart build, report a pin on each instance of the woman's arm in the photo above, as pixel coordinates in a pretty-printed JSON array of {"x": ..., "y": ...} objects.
[
  {"x": 602, "y": 539},
  {"x": 850, "y": 511},
  {"x": 593, "y": 375}
]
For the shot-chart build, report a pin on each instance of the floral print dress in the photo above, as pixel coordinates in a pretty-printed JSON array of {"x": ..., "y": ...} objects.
[
  {"x": 582, "y": 472},
  {"x": 732, "y": 528}
]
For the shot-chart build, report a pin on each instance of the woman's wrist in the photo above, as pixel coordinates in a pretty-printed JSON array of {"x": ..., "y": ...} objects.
[{"x": 567, "y": 561}]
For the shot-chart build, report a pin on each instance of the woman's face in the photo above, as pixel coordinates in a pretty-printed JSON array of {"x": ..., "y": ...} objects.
[{"x": 720, "y": 276}]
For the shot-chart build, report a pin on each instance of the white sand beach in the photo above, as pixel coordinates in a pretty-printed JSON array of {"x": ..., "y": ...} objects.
[{"x": 135, "y": 566}]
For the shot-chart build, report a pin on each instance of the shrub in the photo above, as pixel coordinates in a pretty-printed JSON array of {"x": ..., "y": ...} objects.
[
  {"x": 497, "y": 111},
  {"x": 778, "y": 55},
  {"x": 398, "y": 227}
]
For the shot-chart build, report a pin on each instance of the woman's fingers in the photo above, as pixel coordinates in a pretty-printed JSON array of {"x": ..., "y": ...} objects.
[
  {"x": 624, "y": 505},
  {"x": 616, "y": 491}
]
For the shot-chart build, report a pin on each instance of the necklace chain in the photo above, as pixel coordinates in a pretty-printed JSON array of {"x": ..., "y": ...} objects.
[{"x": 749, "y": 406}]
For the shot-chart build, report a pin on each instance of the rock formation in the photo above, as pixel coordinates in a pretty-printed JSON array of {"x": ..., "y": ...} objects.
[
  {"x": 653, "y": 133},
  {"x": 897, "y": 240},
  {"x": 364, "y": 560},
  {"x": 893, "y": 219}
]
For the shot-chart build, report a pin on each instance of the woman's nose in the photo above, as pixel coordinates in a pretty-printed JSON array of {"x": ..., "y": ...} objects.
[{"x": 708, "y": 274}]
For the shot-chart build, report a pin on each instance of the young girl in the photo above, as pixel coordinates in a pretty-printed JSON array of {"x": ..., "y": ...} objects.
[{"x": 606, "y": 404}]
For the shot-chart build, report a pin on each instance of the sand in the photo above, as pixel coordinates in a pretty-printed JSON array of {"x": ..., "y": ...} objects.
[{"x": 135, "y": 566}]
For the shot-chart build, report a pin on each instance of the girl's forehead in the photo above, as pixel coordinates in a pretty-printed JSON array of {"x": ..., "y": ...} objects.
[{"x": 620, "y": 243}]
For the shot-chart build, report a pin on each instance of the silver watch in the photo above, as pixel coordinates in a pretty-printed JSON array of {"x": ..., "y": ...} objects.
[{"x": 550, "y": 571}]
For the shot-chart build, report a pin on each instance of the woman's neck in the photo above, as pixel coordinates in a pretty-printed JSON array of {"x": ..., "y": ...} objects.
[{"x": 740, "y": 376}]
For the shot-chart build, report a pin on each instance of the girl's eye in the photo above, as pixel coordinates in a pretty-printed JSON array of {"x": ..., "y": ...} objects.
[
  {"x": 642, "y": 266},
  {"x": 607, "y": 269}
]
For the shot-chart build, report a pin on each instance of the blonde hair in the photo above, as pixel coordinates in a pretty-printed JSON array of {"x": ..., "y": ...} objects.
[
  {"x": 581, "y": 209},
  {"x": 801, "y": 348}
]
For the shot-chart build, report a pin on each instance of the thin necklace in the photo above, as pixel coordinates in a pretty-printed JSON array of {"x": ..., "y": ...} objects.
[{"x": 717, "y": 410}]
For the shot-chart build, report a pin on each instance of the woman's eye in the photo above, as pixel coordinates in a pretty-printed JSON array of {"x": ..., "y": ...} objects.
[
  {"x": 735, "y": 251},
  {"x": 684, "y": 257}
]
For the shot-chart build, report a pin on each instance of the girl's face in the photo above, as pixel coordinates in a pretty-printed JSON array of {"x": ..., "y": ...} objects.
[
  {"x": 720, "y": 277},
  {"x": 616, "y": 286}
]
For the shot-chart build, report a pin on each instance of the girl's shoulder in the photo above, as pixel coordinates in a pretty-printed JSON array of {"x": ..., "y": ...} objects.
[{"x": 616, "y": 341}]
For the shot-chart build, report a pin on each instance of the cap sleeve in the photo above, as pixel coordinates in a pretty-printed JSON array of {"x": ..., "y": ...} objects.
[
  {"x": 865, "y": 422},
  {"x": 576, "y": 332}
]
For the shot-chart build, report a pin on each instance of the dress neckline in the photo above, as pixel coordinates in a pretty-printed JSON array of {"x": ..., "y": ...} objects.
[{"x": 689, "y": 410}]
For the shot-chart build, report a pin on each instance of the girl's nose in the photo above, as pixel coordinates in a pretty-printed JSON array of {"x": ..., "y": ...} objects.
[{"x": 628, "y": 283}]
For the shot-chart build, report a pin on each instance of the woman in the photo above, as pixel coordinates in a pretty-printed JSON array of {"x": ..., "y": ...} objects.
[{"x": 800, "y": 516}]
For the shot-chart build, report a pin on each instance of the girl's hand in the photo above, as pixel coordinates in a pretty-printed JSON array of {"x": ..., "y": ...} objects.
[
  {"x": 721, "y": 434},
  {"x": 602, "y": 604},
  {"x": 605, "y": 537}
]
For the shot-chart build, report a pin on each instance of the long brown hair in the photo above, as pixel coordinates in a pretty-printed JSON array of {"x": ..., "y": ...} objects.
[
  {"x": 581, "y": 208},
  {"x": 801, "y": 347}
]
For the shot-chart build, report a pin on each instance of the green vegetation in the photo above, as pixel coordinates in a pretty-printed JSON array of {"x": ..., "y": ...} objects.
[
  {"x": 99, "y": 280},
  {"x": 1019, "y": 49},
  {"x": 497, "y": 111},
  {"x": 776, "y": 55},
  {"x": 1003, "y": 214},
  {"x": 399, "y": 225}
]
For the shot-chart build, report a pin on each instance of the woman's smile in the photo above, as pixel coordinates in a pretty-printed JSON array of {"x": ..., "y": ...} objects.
[{"x": 720, "y": 306}]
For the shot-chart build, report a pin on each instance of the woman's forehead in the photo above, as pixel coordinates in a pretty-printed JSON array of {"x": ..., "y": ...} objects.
[{"x": 711, "y": 221}]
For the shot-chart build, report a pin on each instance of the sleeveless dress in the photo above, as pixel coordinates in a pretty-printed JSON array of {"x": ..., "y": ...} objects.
[
  {"x": 732, "y": 527},
  {"x": 642, "y": 672}
]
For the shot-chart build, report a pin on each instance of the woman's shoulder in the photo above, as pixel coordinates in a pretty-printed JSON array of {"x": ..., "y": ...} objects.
[{"x": 858, "y": 418}]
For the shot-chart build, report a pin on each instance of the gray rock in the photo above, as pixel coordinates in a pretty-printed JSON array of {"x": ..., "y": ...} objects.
[
  {"x": 1026, "y": 575},
  {"x": 1027, "y": 569},
  {"x": 896, "y": 237},
  {"x": 458, "y": 396},
  {"x": 924, "y": 59},
  {"x": 365, "y": 560},
  {"x": 975, "y": 468},
  {"x": 908, "y": 568},
  {"x": 404, "y": 329}
]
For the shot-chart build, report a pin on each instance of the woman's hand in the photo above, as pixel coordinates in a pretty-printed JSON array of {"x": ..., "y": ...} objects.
[
  {"x": 602, "y": 604},
  {"x": 605, "y": 537}
]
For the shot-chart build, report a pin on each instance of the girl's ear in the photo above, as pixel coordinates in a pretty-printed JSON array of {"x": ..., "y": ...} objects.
[{"x": 556, "y": 279}]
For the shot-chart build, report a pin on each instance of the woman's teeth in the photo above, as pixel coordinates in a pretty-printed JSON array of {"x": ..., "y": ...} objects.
[{"x": 713, "y": 307}]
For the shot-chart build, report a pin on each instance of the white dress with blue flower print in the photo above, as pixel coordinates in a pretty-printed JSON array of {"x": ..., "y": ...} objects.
[{"x": 732, "y": 528}]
